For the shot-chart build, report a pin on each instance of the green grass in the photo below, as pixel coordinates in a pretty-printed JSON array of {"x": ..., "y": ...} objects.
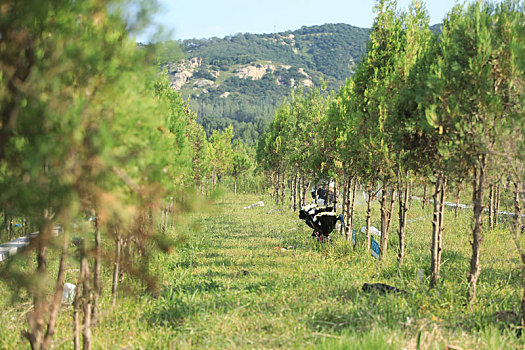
[{"x": 231, "y": 285}]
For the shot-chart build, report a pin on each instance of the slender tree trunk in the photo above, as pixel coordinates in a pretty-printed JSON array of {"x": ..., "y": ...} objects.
[
  {"x": 56, "y": 302},
  {"x": 518, "y": 227},
  {"x": 410, "y": 187},
  {"x": 477, "y": 238},
  {"x": 387, "y": 206},
  {"x": 76, "y": 319},
  {"x": 36, "y": 318},
  {"x": 437, "y": 228},
  {"x": 10, "y": 234},
  {"x": 368, "y": 214},
  {"x": 82, "y": 303},
  {"x": 276, "y": 188},
  {"x": 96, "y": 272},
  {"x": 336, "y": 199},
  {"x": 352, "y": 205},
  {"x": 5, "y": 225},
  {"x": 403, "y": 208},
  {"x": 290, "y": 189},
  {"x": 235, "y": 184},
  {"x": 172, "y": 212},
  {"x": 458, "y": 195},
  {"x": 207, "y": 184},
  {"x": 298, "y": 191},
  {"x": 116, "y": 266},
  {"x": 441, "y": 218},
  {"x": 345, "y": 205},
  {"x": 86, "y": 304},
  {"x": 496, "y": 206},
  {"x": 424, "y": 196},
  {"x": 272, "y": 194},
  {"x": 294, "y": 190},
  {"x": 391, "y": 208},
  {"x": 79, "y": 300},
  {"x": 283, "y": 188},
  {"x": 491, "y": 206},
  {"x": 304, "y": 190}
]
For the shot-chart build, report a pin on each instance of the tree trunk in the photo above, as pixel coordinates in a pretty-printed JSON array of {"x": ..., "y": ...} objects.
[
  {"x": 97, "y": 270},
  {"x": 336, "y": 199},
  {"x": 424, "y": 202},
  {"x": 410, "y": 186},
  {"x": 304, "y": 189},
  {"x": 518, "y": 227},
  {"x": 496, "y": 206},
  {"x": 276, "y": 188},
  {"x": 10, "y": 231},
  {"x": 86, "y": 304},
  {"x": 290, "y": 189},
  {"x": 163, "y": 219},
  {"x": 491, "y": 206},
  {"x": 298, "y": 191},
  {"x": 36, "y": 318},
  {"x": 345, "y": 205},
  {"x": 352, "y": 205},
  {"x": 207, "y": 184},
  {"x": 76, "y": 319},
  {"x": 294, "y": 190},
  {"x": 477, "y": 239},
  {"x": 403, "y": 208},
  {"x": 458, "y": 195},
  {"x": 283, "y": 188},
  {"x": 116, "y": 266},
  {"x": 56, "y": 302},
  {"x": 172, "y": 213},
  {"x": 5, "y": 225},
  {"x": 368, "y": 212},
  {"x": 437, "y": 228},
  {"x": 387, "y": 206}
]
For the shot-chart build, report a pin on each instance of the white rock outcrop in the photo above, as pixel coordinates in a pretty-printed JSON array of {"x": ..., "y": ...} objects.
[
  {"x": 301, "y": 70},
  {"x": 307, "y": 83},
  {"x": 254, "y": 72},
  {"x": 181, "y": 72},
  {"x": 203, "y": 83}
]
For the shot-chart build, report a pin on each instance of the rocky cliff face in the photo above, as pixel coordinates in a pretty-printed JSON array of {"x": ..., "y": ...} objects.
[
  {"x": 254, "y": 72},
  {"x": 194, "y": 75},
  {"x": 180, "y": 73}
]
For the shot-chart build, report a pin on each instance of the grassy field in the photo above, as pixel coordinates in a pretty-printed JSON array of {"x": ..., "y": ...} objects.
[{"x": 255, "y": 279}]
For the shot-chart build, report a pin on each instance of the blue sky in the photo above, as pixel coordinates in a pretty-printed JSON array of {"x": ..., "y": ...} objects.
[{"x": 186, "y": 19}]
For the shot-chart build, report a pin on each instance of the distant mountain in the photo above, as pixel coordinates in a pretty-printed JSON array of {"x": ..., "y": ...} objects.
[{"x": 241, "y": 79}]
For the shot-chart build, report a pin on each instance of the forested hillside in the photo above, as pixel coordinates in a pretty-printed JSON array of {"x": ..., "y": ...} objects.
[{"x": 240, "y": 79}]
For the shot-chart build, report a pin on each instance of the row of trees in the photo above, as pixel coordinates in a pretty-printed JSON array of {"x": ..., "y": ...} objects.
[
  {"x": 89, "y": 130},
  {"x": 420, "y": 108}
]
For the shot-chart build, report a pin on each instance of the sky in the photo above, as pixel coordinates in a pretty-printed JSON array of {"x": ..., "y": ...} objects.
[{"x": 188, "y": 19}]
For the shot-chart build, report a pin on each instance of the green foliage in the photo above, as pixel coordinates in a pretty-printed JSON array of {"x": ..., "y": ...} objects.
[
  {"x": 241, "y": 161},
  {"x": 329, "y": 52},
  {"x": 85, "y": 130},
  {"x": 166, "y": 51},
  {"x": 326, "y": 48},
  {"x": 221, "y": 151}
]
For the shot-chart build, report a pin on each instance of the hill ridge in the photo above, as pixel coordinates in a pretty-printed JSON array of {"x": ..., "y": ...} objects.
[{"x": 240, "y": 79}]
